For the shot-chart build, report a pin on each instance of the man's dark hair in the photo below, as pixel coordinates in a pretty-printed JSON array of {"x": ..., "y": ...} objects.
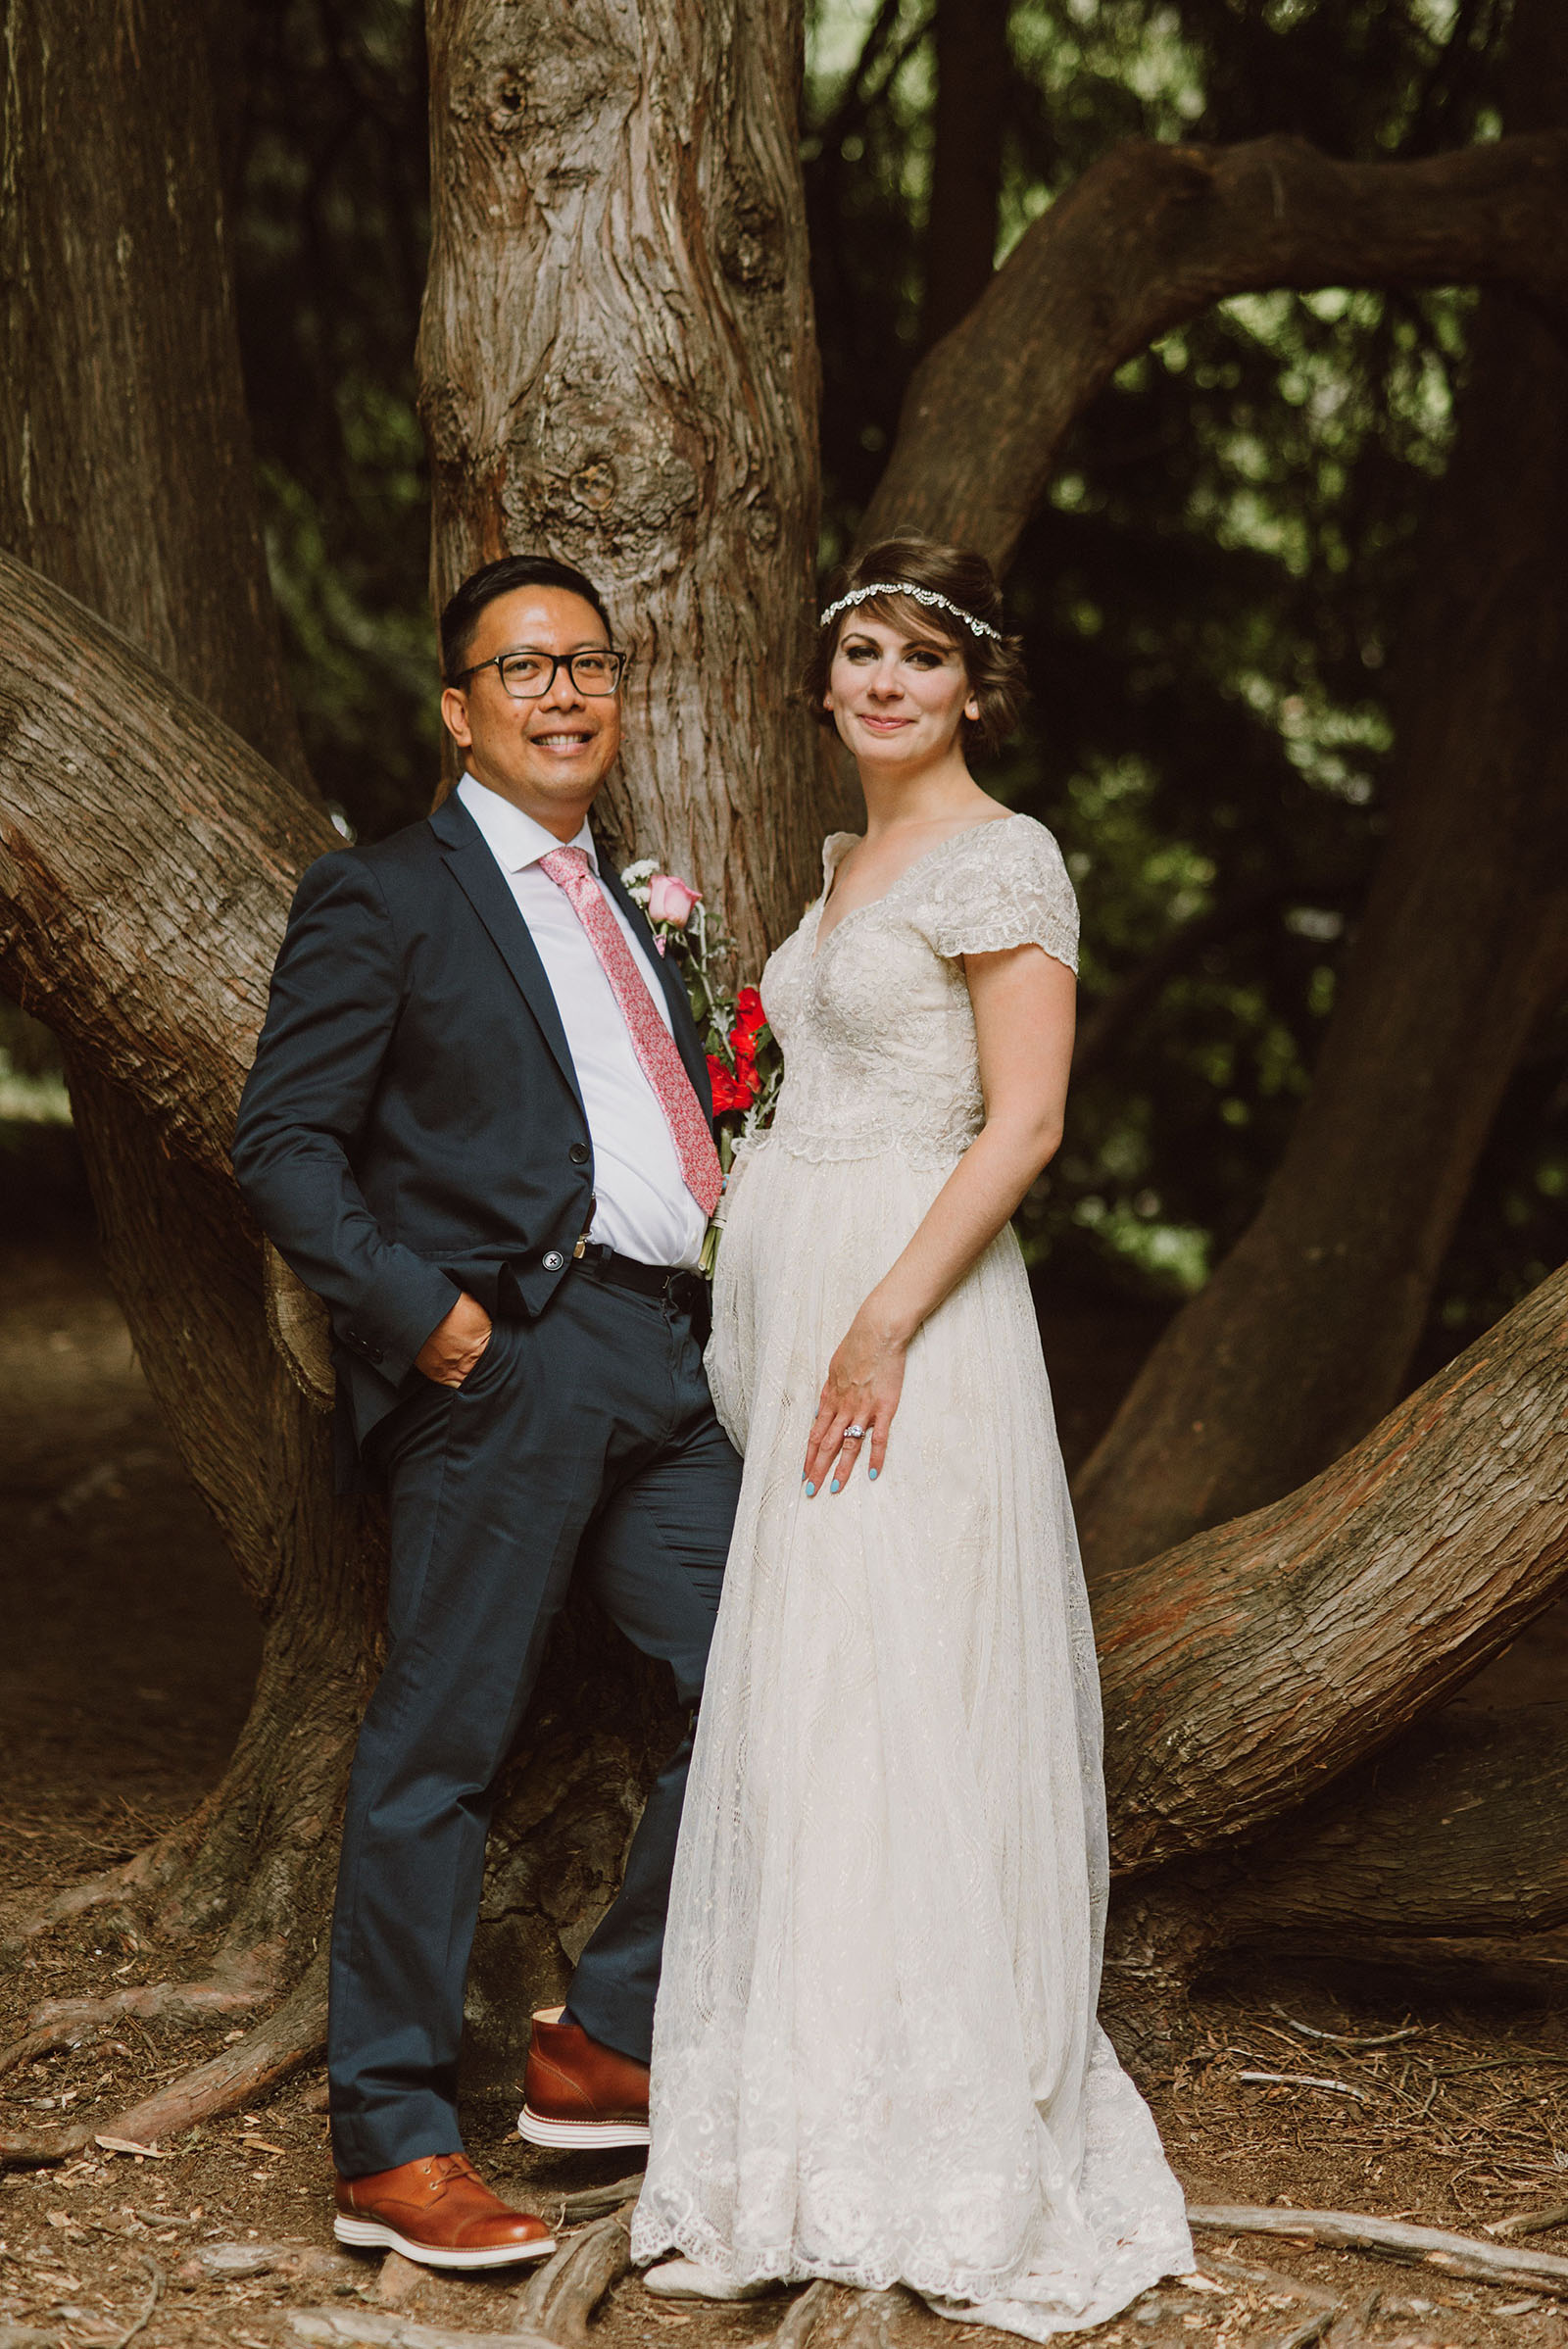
[{"x": 462, "y": 615}]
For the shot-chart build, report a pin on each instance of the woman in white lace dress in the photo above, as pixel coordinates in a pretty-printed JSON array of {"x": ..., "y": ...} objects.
[{"x": 875, "y": 2052}]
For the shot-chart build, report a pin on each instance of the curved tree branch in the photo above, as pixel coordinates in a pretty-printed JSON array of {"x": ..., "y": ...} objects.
[
  {"x": 1154, "y": 234},
  {"x": 145, "y": 944},
  {"x": 1246, "y": 1669}
]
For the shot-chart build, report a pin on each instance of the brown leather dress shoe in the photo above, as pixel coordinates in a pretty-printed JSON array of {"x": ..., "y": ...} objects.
[
  {"x": 438, "y": 2211},
  {"x": 579, "y": 2095}
]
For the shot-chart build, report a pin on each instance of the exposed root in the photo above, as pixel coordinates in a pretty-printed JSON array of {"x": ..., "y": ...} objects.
[
  {"x": 333, "y": 2325},
  {"x": 67, "y": 2022},
  {"x": 37, "y": 2149},
  {"x": 803, "y": 2315},
  {"x": 1422, "y": 2246},
  {"x": 597, "y": 2202},
  {"x": 128, "y": 1884},
  {"x": 290, "y": 2038},
  {"x": 560, "y": 2301}
]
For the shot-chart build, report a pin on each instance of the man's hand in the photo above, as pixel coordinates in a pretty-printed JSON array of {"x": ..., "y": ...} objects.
[{"x": 454, "y": 1345}]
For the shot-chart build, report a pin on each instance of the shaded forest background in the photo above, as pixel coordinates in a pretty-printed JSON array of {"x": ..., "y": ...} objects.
[{"x": 1209, "y": 598}]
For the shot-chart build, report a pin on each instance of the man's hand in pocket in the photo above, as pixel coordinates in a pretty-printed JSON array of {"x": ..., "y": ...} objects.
[{"x": 454, "y": 1345}]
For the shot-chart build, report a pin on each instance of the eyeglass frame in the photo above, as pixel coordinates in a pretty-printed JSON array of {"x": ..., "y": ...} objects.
[{"x": 558, "y": 661}]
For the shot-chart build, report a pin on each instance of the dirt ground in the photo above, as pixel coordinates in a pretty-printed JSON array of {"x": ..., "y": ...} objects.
[{"x": 125, "y": 1659}]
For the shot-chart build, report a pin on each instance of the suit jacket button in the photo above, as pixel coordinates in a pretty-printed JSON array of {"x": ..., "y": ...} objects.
[
  {"x": 578, "y": 1154},
  {"x": 553, "y": 1259}
]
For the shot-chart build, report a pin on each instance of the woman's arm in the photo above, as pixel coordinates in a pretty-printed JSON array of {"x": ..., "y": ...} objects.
[{"x": 1023, "y": 1015}]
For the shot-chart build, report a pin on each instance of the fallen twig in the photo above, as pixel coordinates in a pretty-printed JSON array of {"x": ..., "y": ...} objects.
[
  {"x": 1298, "y": 2337},
  {"x": 1271, "y": 2280},
  {"x": 1536, "y": 2221},
  {"x": 155, "y": 2279},
  {"x": 1341, "y": 2038},
  {"x": 1305, "y": 2080},
  {"x": 1422, "y": 2246}
]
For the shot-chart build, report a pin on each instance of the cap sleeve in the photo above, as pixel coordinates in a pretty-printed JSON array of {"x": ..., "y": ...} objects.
[{"x": 1000, "y": 886}]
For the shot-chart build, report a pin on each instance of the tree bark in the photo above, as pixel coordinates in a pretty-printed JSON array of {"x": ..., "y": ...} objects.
[
  {"x": 125, "y": 447},
  {"x": 969, "y": 119},
  {"x": 1151, "y": 236},
  {"x": 618, "y": 367},
  {"x": 1247, "y": 1668},
  {"x": 1441, "y": 1859},
  {"x": 126, "y": 476}
]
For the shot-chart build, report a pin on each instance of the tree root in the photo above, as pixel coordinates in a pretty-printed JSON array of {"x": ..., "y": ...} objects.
[
  {"x": 804, "y": 2315},
  {"x": 1422, "y": 2246},
  {"x": 289, "y": 2037},
  {"x": 67, "y": 2022},
  {"x": 335, "y": 2325},
  {"x": 558, "y": 2302}
]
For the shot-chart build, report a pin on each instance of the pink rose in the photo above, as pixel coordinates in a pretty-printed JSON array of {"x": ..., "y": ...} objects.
[{"x": 670, "y": 900}]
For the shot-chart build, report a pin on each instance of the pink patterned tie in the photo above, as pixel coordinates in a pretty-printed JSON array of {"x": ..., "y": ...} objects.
[{"x": 652, "y": 1041}]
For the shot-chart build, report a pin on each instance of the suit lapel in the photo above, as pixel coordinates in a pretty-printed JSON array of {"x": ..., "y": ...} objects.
[
  {"x": 688, "y": 1044},
  {"x": 485, "y": 885}
]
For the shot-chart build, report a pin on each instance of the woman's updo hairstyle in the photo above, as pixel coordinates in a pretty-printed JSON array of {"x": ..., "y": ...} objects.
[{"x": 994, "y": 665}]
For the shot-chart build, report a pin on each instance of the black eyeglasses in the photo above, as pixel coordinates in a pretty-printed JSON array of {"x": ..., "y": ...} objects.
[{"x": 528, "y": 676}]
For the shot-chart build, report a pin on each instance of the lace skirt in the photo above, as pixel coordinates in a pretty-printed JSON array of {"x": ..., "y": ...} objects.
[{"x": 875, "y": 2053}]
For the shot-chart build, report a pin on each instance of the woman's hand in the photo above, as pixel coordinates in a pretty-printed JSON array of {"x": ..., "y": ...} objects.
[{"x": 865, "y": 1380}]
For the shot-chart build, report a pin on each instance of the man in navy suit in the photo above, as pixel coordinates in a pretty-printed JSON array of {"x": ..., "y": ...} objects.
[{"x": 479, "y": 1126}]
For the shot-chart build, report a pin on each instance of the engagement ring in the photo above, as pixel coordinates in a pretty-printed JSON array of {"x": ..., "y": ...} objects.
[{"x": 857, "y": 1432}]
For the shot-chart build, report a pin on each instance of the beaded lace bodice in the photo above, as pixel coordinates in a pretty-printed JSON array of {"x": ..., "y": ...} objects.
[{"x": 876, "y": 1022}]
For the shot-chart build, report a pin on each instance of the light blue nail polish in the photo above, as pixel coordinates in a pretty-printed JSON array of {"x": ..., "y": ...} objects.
[
  {"x": 872, "y": 1474},
  {"x": 809, "y": 1490},
  {"x": 833, "y": 1488}
]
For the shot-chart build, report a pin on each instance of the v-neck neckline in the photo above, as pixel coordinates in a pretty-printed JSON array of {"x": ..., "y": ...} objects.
[{"x": 820, "y": 945}]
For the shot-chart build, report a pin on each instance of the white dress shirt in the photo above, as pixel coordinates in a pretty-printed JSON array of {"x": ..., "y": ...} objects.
[{"x": 642, "y": 1207}]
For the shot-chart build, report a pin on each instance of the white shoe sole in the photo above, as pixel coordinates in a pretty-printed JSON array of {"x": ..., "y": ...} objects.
[
  {"x": 580, "y": 2136},
  {"x": 689, "y": 2279},
  {"x": 373, "y": 2234}
]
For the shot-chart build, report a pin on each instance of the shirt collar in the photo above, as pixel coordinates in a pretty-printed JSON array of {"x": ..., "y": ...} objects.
[{"x": 515, "y": 838}]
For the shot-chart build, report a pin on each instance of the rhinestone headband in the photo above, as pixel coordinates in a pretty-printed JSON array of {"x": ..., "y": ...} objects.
[{"x": 921, "y": 595}]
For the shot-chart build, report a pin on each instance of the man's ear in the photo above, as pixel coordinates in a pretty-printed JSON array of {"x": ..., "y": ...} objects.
[{"x": 454, "y": 716}]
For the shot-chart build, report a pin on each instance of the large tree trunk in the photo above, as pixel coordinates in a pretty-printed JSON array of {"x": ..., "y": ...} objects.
[
  {"x": 126, "y": 476},
  {"x": 618, "y": 367}
]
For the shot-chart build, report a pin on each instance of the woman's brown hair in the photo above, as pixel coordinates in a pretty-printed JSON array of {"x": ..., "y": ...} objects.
[{"x": 993, "y": 665}]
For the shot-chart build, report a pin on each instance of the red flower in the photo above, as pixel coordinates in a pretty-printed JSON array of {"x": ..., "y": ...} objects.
[
  {"x": 735, "y": 1091},
  {"x": 750, "y": 1020}
]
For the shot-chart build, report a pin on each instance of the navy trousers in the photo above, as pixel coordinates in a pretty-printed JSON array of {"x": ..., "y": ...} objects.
[{"x": 582, "y": 1442}]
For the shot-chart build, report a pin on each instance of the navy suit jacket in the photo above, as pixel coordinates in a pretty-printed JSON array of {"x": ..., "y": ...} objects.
[{"x": 411, "y": 1126}]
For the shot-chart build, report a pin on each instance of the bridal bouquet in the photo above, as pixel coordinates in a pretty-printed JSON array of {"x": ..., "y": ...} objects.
[{"x": 744, "y": 1062}]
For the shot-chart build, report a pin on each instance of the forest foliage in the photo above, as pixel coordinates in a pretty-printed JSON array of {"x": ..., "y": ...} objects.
[{"x": 1208, "y": 601}]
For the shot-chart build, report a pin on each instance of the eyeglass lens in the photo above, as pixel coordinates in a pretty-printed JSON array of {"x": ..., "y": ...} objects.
[{"x": 527, "y": 676}]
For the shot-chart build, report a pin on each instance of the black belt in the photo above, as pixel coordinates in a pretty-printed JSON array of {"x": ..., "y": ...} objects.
[{"x": 677, "y": 1282}]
